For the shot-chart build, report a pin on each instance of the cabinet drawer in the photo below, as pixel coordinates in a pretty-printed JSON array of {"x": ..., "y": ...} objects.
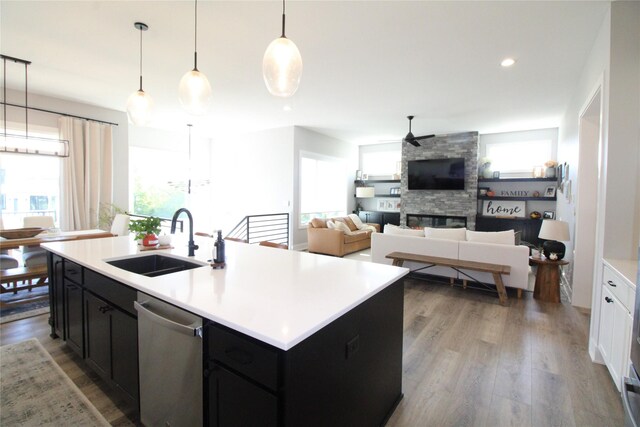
[
  {"x": 618, "y": 287},
  {"x": 247, "y": 357},
  {"x": 73, "y": 272},
  {"x": 114, "y": 292}
]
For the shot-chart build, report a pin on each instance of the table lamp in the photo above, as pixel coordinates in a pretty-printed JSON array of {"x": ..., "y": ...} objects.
[
  {"x": 365, "y": 191},
  {"x": 552, "y": 231}
]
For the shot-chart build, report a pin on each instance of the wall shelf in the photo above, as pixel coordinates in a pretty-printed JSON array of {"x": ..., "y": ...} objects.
[
  {"x": 378, "y": 195},
  {"x": 377, "y": 181},
  {"x": 542, "y": 199},
  {"x": 481, "y": 180}
]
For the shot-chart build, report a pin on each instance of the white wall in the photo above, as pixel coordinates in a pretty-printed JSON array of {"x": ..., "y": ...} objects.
[
  {"x": 614, "y": 65},
  {"x": 251, "y": 174},
  {"x": 120, "y": 132},
  {"x": 308, "y": 140}
]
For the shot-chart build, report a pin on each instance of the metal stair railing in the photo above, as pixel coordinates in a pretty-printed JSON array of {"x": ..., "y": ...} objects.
[{"x": 266, "y": 227}]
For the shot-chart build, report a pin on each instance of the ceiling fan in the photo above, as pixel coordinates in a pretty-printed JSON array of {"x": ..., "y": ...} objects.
[{"x": 414, "y": 140}]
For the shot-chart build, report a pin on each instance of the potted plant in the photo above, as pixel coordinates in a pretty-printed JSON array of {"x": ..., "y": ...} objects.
[
  {"x": 484, "y": 168},
  {"x": 146, "y": 230}
]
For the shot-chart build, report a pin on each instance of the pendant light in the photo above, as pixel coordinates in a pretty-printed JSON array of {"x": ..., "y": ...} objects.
[
  {"x": 195, "y": 90},
  {"x": 140, "y": 104},
  {"x": 282, "y": 64}
]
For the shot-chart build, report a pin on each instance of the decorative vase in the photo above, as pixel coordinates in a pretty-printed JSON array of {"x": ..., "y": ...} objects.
[
  {"x": 487, "y": 173},
  {"x": 150, "y": 240},
  {"x": 550, "y": 173}
]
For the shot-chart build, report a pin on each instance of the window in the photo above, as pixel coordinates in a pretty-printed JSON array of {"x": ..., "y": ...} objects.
[
  {"x": 518, "y": 157},
  {"x": 323, "y": 187},
  {"x": 29, "y": 183},
  {"x": 38, "y": 203},
  {"x": 151, "y": 172},
  {"x": 381, "y": 162}
]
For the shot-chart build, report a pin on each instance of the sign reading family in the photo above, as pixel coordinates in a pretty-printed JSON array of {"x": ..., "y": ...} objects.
[{"x": 503, "y": 208}]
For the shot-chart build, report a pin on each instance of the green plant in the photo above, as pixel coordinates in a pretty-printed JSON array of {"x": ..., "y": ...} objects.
[
  {"x": 106, "y": 213},
  {"x": 144, "y": 226}
]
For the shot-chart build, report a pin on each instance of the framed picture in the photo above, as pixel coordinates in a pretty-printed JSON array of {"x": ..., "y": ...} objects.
[
  {"x": 482, "y": 191},
  {"x": 496, "y": 174},
  {"x": 503, "y": 208},
  {"x": 548, "y": 215},
  {"x": 550, "y": 191},
  {"x": 358, "y": 175},
  {"x": 365, "y": 176}
]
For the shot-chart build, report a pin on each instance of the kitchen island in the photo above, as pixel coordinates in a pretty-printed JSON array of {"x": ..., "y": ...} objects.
[{"x": 290, "y": 338}]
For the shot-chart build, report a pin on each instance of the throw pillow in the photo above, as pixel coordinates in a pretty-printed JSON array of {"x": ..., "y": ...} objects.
[
  {"x": 350, "y": 224},
  {"x": 331, "y": 224},
  {"x": 319, "y": 223},
  {"x": 446, "y": 233},
  {"x": 500, "y": 237},
  {"x": 399, "y": 231},
  {"x": 357, "y": 221},
  {"x": 342, "y": 227}
]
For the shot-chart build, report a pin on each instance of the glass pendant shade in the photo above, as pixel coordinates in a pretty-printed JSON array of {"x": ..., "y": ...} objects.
[
  {"x": 195, "y": 92},
  {"x": 140, "y": 108},
  {"x": 282, "y": 67}
]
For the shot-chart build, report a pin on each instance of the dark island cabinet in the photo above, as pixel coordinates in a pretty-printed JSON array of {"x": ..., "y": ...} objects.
[
  {"x": 73, "y": 306},
  {"x": 236, "y": 401},
  {"x": 95, "y": 316},
  {"x": 349, "y": 373},
  {"x": 56, "y": 296},
  {"x": 112, "y": 344}
]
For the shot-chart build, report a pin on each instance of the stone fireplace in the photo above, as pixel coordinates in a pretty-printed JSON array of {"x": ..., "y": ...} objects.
[{"x": 444, "y": 208}]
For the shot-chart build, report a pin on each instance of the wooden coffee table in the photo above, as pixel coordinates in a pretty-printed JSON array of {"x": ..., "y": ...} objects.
[{"x": 547, "y": 279}]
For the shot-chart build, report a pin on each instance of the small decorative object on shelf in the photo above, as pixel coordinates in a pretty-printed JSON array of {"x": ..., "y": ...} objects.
[
  {"x": 536, "y": 194},
  {"x": 358, "y": 175},
  {"x": 496, "y": 174},
  {"x": 484, "y": 168},
  {"x": 549, "y": 215},
  {"x": 550, "y": 191},
  {"x": 483, "y": 190},
  {"x": 490, "y": 193},
  {"x": 550, "y": 171},
  {"x": 535, "y": 215},
  {"x": 538, "y": 172}
]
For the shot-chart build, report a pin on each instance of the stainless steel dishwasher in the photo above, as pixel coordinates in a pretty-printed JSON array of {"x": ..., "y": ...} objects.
[{"x": 170, "y": 359}]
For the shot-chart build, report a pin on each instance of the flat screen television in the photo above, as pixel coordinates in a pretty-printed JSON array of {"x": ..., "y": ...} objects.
[{"x": 436, "y": 174}]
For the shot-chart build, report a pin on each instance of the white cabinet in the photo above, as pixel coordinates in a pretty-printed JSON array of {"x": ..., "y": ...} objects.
[{"x": 614, "y": 336}]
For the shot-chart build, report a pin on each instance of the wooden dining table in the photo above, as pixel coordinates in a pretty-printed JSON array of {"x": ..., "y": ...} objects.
[
  {"x": 46, "y": 237},
  {"x": 15, "y": 279}
]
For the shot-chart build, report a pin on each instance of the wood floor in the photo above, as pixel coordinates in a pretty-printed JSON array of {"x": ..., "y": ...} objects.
[{"x": 468, "y": 361}]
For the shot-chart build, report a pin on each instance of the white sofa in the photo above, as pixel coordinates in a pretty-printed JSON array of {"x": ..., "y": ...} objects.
[{"x": 456, "y": 247}]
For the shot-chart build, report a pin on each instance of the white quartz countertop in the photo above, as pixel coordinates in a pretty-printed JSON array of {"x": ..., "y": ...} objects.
[{"x": 277, "y": 296}]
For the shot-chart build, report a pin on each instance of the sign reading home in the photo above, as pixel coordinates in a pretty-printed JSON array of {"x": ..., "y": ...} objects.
[{"x": 503, "y": 208}]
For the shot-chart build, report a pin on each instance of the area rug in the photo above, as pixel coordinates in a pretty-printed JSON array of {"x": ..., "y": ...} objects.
[
  {"x": 35, "y": 391},
  {"x": 23, "y": 304}
]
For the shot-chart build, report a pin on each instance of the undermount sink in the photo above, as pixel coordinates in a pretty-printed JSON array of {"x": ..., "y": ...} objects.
[{"x": 154, "y": 265}]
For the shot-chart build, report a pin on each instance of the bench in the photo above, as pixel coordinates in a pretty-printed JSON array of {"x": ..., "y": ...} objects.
[
  {"x": 497, "y": 270},
  {"x": 22, "y": 274}
]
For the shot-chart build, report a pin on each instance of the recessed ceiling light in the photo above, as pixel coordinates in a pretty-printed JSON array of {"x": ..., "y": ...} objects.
[{"x": 508, "y": 62}]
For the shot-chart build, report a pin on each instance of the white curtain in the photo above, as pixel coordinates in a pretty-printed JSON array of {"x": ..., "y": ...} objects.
[{"x": 86, "y": 174}]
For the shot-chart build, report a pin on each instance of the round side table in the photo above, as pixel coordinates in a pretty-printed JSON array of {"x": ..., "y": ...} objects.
[{"x": 547, "y": 279}]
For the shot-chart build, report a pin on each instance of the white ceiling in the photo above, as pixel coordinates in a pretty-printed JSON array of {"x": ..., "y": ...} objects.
[{"x": 367, "y": 64}]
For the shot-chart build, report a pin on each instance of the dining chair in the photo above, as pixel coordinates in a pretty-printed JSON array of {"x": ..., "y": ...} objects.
[
  {"x": 120, "y": 225},
  {"x": 35, "y": 256},
  {"x": 273, "y": 244}
]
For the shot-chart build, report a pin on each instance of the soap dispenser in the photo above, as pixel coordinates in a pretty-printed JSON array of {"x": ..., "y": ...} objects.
[{"x": 218, "y": 257}]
